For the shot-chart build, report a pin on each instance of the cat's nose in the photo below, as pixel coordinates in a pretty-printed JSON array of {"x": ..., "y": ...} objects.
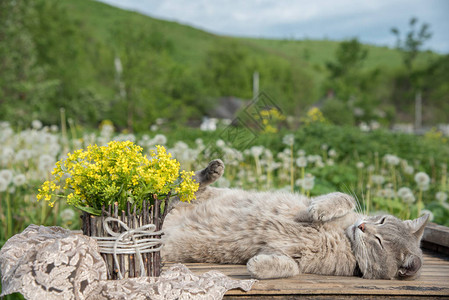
[{"x": 362, "y": 227}]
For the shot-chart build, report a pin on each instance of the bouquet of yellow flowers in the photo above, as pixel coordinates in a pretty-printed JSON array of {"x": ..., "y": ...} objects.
[{"x": 117, "y": 173}]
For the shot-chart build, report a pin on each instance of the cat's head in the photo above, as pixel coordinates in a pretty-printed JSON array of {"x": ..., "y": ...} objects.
[{"x": 386, "y": 247}]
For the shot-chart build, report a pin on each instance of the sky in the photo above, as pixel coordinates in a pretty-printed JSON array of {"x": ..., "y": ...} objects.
[{"x": 368, "y": 20}]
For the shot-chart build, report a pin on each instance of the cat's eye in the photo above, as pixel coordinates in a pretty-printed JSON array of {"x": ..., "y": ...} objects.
[
  {"x": 379, "y": 240},
  {"x": 382, "y": 220}
]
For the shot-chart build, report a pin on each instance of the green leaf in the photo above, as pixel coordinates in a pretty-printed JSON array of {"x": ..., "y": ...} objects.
[{"x": 90, "y": 210}]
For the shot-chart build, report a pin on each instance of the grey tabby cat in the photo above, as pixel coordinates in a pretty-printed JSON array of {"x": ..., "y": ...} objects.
[{"x": 280, "y": 234}]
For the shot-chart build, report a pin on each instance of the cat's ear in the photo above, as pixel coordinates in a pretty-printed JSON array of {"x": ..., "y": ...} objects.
[
  {"x": 417, "y": 226},
  {"x": 410, "y": 266}
]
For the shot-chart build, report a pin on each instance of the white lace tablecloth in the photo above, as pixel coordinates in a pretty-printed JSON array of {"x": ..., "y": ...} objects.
[{"x": 55, "y": 263}]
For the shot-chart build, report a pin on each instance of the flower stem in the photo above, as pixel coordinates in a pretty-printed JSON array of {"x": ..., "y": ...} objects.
[
  {"x": 291, "y": 168},
  {"x": 368, "y": 199},
  {"x": 43, "y": 212},
  {"x": 8, "y": 217},
  {"x": 419, "y": 204},
  {"x": 303, "y": 175}
]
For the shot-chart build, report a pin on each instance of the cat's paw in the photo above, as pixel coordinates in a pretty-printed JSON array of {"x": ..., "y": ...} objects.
[
  {"x": 213, "y": 171},
  {"x": 330, "y": 206},
  {"x": 266, "y": 266}
]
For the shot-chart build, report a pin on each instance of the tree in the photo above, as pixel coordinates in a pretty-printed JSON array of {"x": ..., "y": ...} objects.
[
  {"x": 228, "y": 69},
  {"x": 413, "y": 42},
  {"x": 23, "y": 82},
  {"x": 410, "y": 47},
  {"x": 345, "y": 72}
]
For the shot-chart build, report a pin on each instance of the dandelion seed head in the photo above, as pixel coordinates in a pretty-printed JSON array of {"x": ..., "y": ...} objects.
[
  {"x": 319, "y": 163},
  {"x": 7, "y": 175},
  {"x": 288, "y": 139},
  {"x": 19, "y": 180},
  {"x": 332, "y": 153},
  {"x": 392, "y": 160},
  {"x": 199, "y": 142},
  {"x": 441, "y": 197},
  {"x": 287, "y": 152},
  {"x": 268, "y": 154},
  {"x": 301, "y": 162},
  {"x": 378, "y": 179},
  {"x": 3, "y": 185},
  {"x": 409, "y": 170},
  {"x": 36, "y": 124},
  {"x": 422, "y": 180},
  {"x": 256, "y": 151},
  {"x": 46, "y": 163},
  {"x": 7, "y": 153},
  {"x": 408, "y": 198},
  {"x": 220, "y": 143},
  {"x": 307, "y": 183},
  {"x": 159, "y": 139},
  {"x": 404, "y": 191}
]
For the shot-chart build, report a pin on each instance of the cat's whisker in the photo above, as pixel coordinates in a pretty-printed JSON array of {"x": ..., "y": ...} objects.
[
  {"x": 364, "y": 202},
  {"x": 359, "y": 209},
  {"x": 348, "y": 191}
]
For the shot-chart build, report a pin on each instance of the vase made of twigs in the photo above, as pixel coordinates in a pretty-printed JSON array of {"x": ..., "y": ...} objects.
[{"x": 129, "y": 240}]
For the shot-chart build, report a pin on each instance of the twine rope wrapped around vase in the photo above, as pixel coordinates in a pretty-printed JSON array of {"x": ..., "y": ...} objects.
[{"x": 132, "y": 241}]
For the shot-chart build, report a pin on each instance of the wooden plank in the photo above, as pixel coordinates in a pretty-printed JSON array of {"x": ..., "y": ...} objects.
[{"x": 436, "y": 234}]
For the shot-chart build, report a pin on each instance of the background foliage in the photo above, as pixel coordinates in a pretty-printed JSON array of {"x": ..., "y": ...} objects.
[{"x": 64, "y": 54}]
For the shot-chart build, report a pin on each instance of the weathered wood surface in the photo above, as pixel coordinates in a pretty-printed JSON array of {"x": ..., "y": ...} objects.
[
  {"x": 433, "y": 283},
  {"x": 436, "y": 238}
]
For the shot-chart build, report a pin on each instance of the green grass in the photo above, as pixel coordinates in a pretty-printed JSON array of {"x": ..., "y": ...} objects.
[
  {"x": 99, "y": 19},
  {"x": 314, "y": 54}
]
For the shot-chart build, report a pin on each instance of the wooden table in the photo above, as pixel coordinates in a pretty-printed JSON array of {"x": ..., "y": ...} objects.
[{"x": 433, "y": 282}]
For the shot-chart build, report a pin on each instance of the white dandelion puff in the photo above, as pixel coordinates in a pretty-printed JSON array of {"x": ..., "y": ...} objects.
[
  {"x": 3, "y": 185},
  {"x": 392, "y": 160},
  {"x": 19, "y": 180},
  {"x": 332, "y": 153},
  {"x": 288, "y": 139},
  {"x": 220, "y": 143},
  {"x": 441, "y": 197},
  {"x": 301, "y": 162},
  {"x": 36, "y": 124},
  {"x": 422, "y": 180},
  {"x": 159, "y": 139},
  {"x": 7, "y": 175},
  {"x": 378, "y": 179},
  {"x": 256, "y": 151}
]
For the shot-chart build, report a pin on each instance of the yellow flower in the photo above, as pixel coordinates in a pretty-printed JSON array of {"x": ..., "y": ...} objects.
[{"x": 116, "y": 173}]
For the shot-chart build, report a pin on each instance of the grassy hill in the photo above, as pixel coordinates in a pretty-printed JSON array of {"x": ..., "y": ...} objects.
[
  {"x": 190, "y": 45},
  {"x": 166, "y": 66}
]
